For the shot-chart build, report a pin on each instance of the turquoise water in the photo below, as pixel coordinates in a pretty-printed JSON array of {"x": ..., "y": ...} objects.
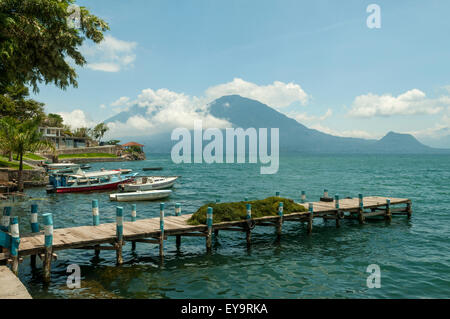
[{"x": 413, "y": 255}]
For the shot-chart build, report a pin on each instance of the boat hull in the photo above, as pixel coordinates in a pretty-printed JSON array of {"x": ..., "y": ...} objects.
[
  {"x": 147, "y": 187},
  {"x": 87, "y": 188},
  {"x": 140, "y": 196}
]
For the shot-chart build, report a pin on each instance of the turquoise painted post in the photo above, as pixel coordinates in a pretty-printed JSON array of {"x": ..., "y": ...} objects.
[
  {"x": 388, "y": 209},
  {"x": 48, "y": 243},
  {"x": 280, "y": 209},
  {"x": 119, "y": 234},
  {"x": 133, "y": 212},
  {"x": 217, "y": 200},
  {"x": 277, "y": 194},
  {"x": 95, "y": 213},
  {"x": 310, "y": 220},
  {"x": 325, "y": 193},
  {"x": 361, "y": 204},
  {"x": 15, "y": 241},
  {"x": 177, "y": 209},
  {"x": 6, "y": 219},
  {"x": 338, "y": 213},
  {"x": 209, "y": 223},
  {"x": 161, "y": 227},
  {"x": 303, "y": 197},
  {"x": 246, "y": 199},
  {"x": 119, "y": 223},
  {"x": 249, "y": 211},
  {"x": 34, "y": 219}
]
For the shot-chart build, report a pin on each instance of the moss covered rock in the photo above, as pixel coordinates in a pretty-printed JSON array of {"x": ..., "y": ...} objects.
[{"x": 235, "y": 211}]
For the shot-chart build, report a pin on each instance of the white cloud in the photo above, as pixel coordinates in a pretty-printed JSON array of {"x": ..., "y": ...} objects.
[
  {"x": 77, "y": 118},
  {"x": 346, "y": 133},
  {"x": 110, "y": 55},
  {"x": 120, "y": 101},
  {"x": 411, "y": 102},
  {"x": 277, "y": 95},
  {"x": 303, "y": 117},
  {"x": 102, "y": 106}
]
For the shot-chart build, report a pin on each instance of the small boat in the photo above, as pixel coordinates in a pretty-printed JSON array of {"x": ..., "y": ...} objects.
[
  {"x": 84, "y": 182},
  {"x": 140, "y": 195},
  {"x": 152, "y": 168},
  {"x": 146, "y": 183},
  {"x": 62, "y": 168},
  {"x": 85, "y": 166},
  {"x": 123, "y": 170}
]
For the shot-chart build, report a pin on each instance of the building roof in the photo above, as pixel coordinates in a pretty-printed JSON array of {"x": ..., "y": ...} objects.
[{"x": 133, "y": 144}]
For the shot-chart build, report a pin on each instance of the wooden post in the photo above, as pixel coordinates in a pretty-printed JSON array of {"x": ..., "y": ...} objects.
[
  {"x": 388, "y": 216},
  {"x": 48, "y": 243},
  {"x": 209, "y": 223},
  {"x": 119, "y": 234},
  {"x": 161, "y": 227},
  {"x": 409, "y": 209},
  {"x": 280, "y": 220},
  {"x": 133, "y": 219},
  {"x": 249, "y": 217},
  {"x": 34, "y": 229},
  {"x": 303, "y": 197},
  {"x": 15, "y": 241},
  {"x": 6, "y": 219},
  {"x": 178, "y": 213},
  {"x": 361, "y": 209},
  {"x": 95, "y": 215},
  {"x": 310, "y": 219},
  {"x": 338, "y": 212}
]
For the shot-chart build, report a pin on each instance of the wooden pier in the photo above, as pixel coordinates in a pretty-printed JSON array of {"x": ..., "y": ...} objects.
[
  {"x": 112, "y": 236},
  {"x": 11, "y": 286}
]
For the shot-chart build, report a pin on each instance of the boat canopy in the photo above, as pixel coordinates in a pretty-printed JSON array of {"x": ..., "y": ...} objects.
[{"x": 95, "y": 174}]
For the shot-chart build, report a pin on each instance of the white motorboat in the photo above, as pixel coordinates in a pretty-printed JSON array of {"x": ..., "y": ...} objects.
[
  {"x": 146, "y": 183},
  {"x": 140, "y": 195}
]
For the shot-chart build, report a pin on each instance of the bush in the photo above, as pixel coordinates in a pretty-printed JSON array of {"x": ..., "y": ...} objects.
[{"x": 236, "y": 211}]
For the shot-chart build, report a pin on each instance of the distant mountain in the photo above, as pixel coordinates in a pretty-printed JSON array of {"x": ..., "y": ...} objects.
[{"x": 294, "y": 137}]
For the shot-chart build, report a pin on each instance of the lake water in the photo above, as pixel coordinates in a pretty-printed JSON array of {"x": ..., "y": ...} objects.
[{"x": 413, "y": 255}]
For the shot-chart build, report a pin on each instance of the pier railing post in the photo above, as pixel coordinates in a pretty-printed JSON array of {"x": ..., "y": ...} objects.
[
  {"x": 310, "y": 218},
  {"x": 133, "y": 219},
  {"x": 280, "y": 220},
  {"x": 95, "y": 221},
  {"x": 119, "y": 234},
  {"x": 409, "y": 209},
  {"x": 303, "y": 197},
  {"x": 338, "y": 211},
  {"x": 361, "y": 209},
  {"x": 249, "y": 217},
  {"x": 277, "y": 194},
  {"x": 178, "y": 213},
  {"x": 209, "y": 223},
  {"x": 388, "y": 210},
  {"x": 161, "y": 227},
  {"x": 48, "y": 243},
  {"x": 325, "y": 193},
  {"x": 6, "y": 219},
  {"x": 246, "y": 199},
  {"x": 15, "y": 241},
  {"x": 34, "y": 229}
]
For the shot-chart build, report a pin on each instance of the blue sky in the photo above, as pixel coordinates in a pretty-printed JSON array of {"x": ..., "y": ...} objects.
[{"x": 346, "y": 79}]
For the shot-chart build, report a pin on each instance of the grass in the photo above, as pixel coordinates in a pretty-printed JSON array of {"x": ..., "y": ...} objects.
[
  {"x": 14, "y": 165},
  {"x": 86, "y": 155},
  {"x": 235, "y": 211}
]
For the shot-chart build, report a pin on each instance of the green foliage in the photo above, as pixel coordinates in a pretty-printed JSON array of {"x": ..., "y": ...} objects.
[
  {"x": 99, "y": 130},
  {"x": 82, "y": 132},
  {"x": 235, "y": 211},
  {"x": 14, "y": 102},
  {"x": 112, "y": 142},
  {"x": 53, "y": 120},
  {"x": 85, "y": 155},
  {"x": 36, "y": 42},
  {"x": 134, "y": 149}
]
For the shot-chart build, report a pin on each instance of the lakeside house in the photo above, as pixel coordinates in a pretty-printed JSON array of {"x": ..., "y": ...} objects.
[
  {"x": 129, "y": 145},
  {"x": 62, "y": 141}
]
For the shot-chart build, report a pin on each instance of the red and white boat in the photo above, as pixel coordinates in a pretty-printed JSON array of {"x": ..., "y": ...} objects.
[{"x": 86, "y": 182}]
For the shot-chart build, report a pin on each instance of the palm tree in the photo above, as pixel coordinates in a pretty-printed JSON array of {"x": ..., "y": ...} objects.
[
  {"x": 25, "y": 137},
  {"x": 99, "y": 131}
]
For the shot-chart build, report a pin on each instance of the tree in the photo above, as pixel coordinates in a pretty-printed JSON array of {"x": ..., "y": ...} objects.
[
  {"x": 37, "y": 41},
  {"x": 99, "y": 130},
  {"x": 7, "y": 132},
  {"x": 82, "y": 132},
  {"x": 15, "y": 103},
  {"x": 25, "y": 138},
  {"x": 54, "y": 120}
]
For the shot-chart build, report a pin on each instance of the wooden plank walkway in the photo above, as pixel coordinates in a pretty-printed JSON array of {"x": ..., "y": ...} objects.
[
  {"x": 10, "y": 286},
  {"x": 106, "y": 237}
]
